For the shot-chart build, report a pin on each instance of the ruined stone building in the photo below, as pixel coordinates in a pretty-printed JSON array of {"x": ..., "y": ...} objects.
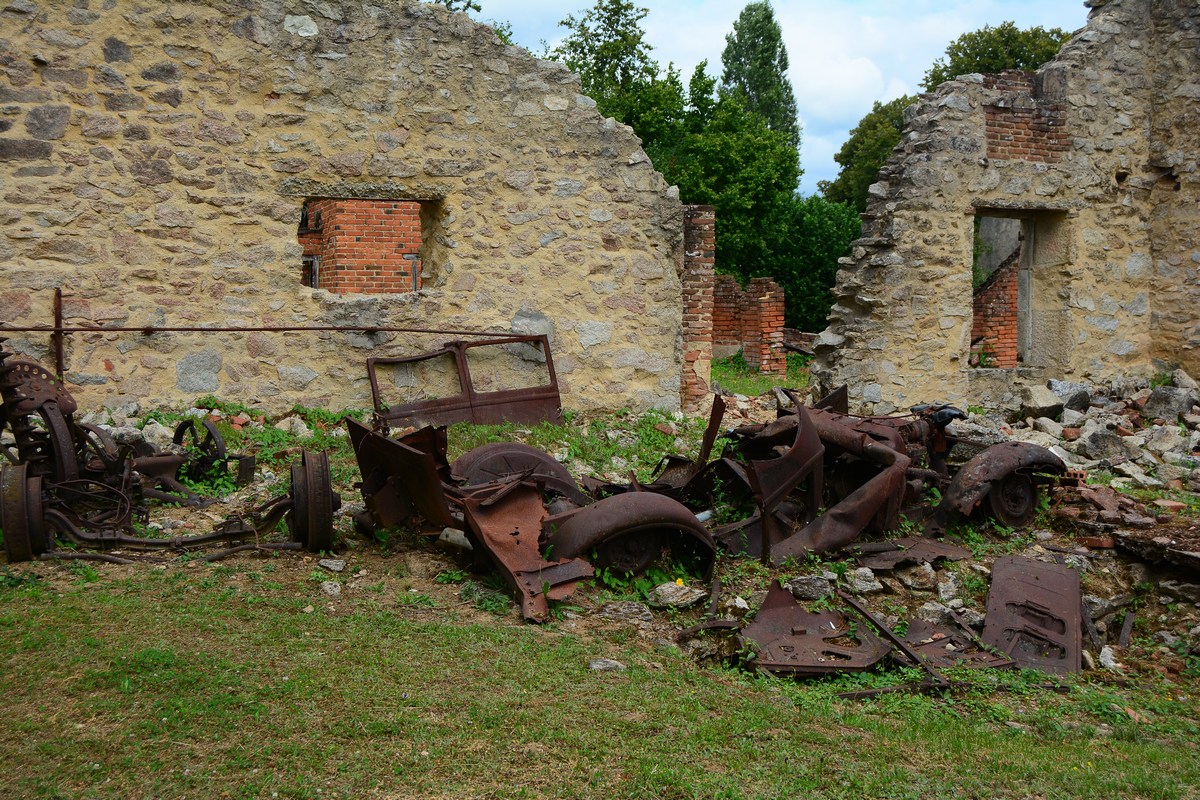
[
  {"x": 1090, "y": 165},
  {"x": 327, "y": 163}
]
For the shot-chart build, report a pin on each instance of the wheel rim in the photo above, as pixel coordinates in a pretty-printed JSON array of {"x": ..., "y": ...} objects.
[
  {"x": 14, "y": 513},
  {"x": 1013, "y": 500},
  {"x": 313, "y": 504}
]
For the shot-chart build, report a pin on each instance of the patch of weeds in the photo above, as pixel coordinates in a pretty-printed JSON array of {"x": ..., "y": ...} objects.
[
  {"x": 451, "y": 576},
  {"x": 639, "y": 586},
  {"x": 414, "y": 599},
  {"x": 10, "y": 580},
  {"x": 485, "y": 598},
  {"x": 86, "y": 573},
  {"x": 737, "y": 376}
]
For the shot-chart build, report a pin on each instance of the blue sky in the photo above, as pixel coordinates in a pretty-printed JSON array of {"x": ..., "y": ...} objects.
[{"x": 844, "y": 54}]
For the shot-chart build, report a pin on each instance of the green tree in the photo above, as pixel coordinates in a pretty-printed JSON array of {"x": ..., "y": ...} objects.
[
  {"x": 756, "y": 63},
  {"x": 607, "y": 48},
  {"x": 994, "y": 50},
  {"x": 821, "y": 233},
  {"x": 870, "y": 143}
]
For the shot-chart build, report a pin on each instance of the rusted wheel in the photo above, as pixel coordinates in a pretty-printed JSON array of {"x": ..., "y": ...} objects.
[
  {"x": 313, "y": 502},
  {"x": 501, "y": 459},
  {"x": 21, "y": 514},
  {"x": 205, "y": 448},
  {"x": 1012, "y": 500}
]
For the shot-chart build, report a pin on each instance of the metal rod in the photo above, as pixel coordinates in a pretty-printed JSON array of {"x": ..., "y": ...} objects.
[
  {"x": 57, "y": 337},
  {"x": 151, "y": 329}
]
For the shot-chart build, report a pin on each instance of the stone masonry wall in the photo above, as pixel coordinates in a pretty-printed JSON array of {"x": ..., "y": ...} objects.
[
  {"x": 1107, "y": 190},
  {"x": 154, "y": 159}
]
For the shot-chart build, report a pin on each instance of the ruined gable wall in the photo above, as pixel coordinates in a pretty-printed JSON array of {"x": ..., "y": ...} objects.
[
  {"x": 154, "y": 159},
  {"x": 900, "y": 329}
]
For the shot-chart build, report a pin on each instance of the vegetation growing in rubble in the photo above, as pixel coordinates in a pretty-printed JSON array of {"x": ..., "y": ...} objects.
[{"x": 734, "y": 375}]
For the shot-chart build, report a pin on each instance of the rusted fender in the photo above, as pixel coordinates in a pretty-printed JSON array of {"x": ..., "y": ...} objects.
[
  {"x": 628, "y": 532},
  {"x": 973, "y": 482}
]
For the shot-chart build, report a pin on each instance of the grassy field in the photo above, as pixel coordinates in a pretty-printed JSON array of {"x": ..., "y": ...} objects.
[{"x": 242, "y": 679}]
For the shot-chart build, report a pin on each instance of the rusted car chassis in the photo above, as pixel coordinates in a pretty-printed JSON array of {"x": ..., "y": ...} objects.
[{"x": 70, "y": 480}]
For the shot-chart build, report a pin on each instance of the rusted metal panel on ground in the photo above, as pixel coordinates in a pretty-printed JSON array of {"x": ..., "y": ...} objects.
[
  {"x": 400, "y": 479},
  {"x": 526, "y": 405},
  {"x": 944, "y": 646},
  {"x": 1033, "y": 614},
  {"x": 909, "y": 550},
  {"x": 790, "y": 640},
  {"x": 509, "y": 531}
]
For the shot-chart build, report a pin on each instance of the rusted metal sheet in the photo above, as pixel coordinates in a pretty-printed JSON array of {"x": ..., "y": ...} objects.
[
  {"x": 627, "y": 532},
  {"x": 944, "y": 646},
  {"x": 508, "y": 530},
  {"x": 400, "y": 480},
  {"x": 909, "y": 550},
  {"x": 528, "y": 405},
  {"x": 502, "y": 460},
  {"x": 789, "y": 640},
  {"x": 1033, "y": 614}
]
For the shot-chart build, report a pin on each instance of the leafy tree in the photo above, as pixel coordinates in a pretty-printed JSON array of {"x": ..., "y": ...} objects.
[
  {"x": 994, "y": 50},
  {"x": 869, "y": 145},
  {"x": 756, "y": 64},
  {"x": 821, "y": 233},
  {"x": 608, "y": 50}
]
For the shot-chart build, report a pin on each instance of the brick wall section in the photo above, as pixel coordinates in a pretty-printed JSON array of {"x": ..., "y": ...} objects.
[
  {"x": 699, "y": 256},
  {"x": 366, "y": 246},
  {"x": 994, "y": 324},
  {"x": 762, "y": 327},
  {"x": 728, "y": 299},
  {"x": 1019, "y": 124}
]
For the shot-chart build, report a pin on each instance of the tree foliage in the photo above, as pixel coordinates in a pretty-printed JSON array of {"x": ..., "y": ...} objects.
[
  {"x": 870, "y": 143},
  {"x": 718, "y": 149},
  {"x": 994, "y": 50},
  {"x": 755, "y": 65}
]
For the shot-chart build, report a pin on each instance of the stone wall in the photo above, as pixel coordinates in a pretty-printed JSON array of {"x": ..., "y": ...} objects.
[
  {"x": 155, "y": 158},
  {"x": 1095, "y": 154}
]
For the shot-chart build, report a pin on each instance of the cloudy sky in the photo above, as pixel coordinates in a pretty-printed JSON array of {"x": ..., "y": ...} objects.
[{"x": 845, "y": 54}]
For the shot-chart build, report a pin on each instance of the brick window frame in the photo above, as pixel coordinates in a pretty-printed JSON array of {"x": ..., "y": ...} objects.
[{"x": 362, "y": 245}]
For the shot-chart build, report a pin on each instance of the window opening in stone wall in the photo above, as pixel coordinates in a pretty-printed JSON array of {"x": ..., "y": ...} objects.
[
  {"x": 1017, "y": 271},
  {"x": 361, "y": 246}
]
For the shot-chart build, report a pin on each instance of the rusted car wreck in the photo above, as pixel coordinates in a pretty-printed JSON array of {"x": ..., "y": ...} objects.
[{"x": 814, "y": 480}]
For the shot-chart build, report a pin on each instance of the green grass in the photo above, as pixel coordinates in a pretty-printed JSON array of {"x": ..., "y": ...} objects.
[
  {"x": 166, "y": 683},
  {"x": 735, "y": 375}
]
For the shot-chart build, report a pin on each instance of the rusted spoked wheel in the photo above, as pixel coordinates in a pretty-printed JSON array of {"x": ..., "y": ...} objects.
[
  {"x": 1012, "y": 500},
  {"x": 206, "y": 450},
  {"x": 21, "y": 514},
  {"x": 633, "y": 552},
  {"x": 499, "y": 460},
  {"x": 313, "y": 502}
]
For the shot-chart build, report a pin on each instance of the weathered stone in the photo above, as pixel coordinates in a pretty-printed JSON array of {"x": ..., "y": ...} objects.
[
  {"x": 1101, "y": 443},
  {"x": 294, "y": 426},
  {"x": 626, "y": 611},
  {"x": 1048, "y": 426},
  {"x": 919, "y": 578},
  {"x": 1038, "y": 401},
  {"x": 116, "y": 50},
  {"x": 934, "y": 612},
  {"x": 1168, "y": 402},
  {"x": 197, "y": 372},
  {"x": 47, "y": 122},
  {"x": 863, "y": 581},
  {"x": 672, "y": 595},
  {"x": 158, "y": 435},
  {"x": 24, "y": 149},
  {"x": 810, "y": 587},
  {"x": 332, "y": 564},
  {"x": 1182, "y": 380},
  {"x": 1180, "y": 590},
  {"x": 605, "y": 665},
  {"x": 300, "y": 26},
  {"x": 331, "y": 588}
]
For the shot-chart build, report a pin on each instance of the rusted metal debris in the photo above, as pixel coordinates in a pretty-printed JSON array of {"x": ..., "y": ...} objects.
[
  {"x": 909, "y": 550},
  {"x": 527, "y": 405},
  {"x": 1033, "y": 614},
  {"x": 522, "y": 510},
  {"x": 71, "y": 480},
  {"x": 787, "y": 639}
]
